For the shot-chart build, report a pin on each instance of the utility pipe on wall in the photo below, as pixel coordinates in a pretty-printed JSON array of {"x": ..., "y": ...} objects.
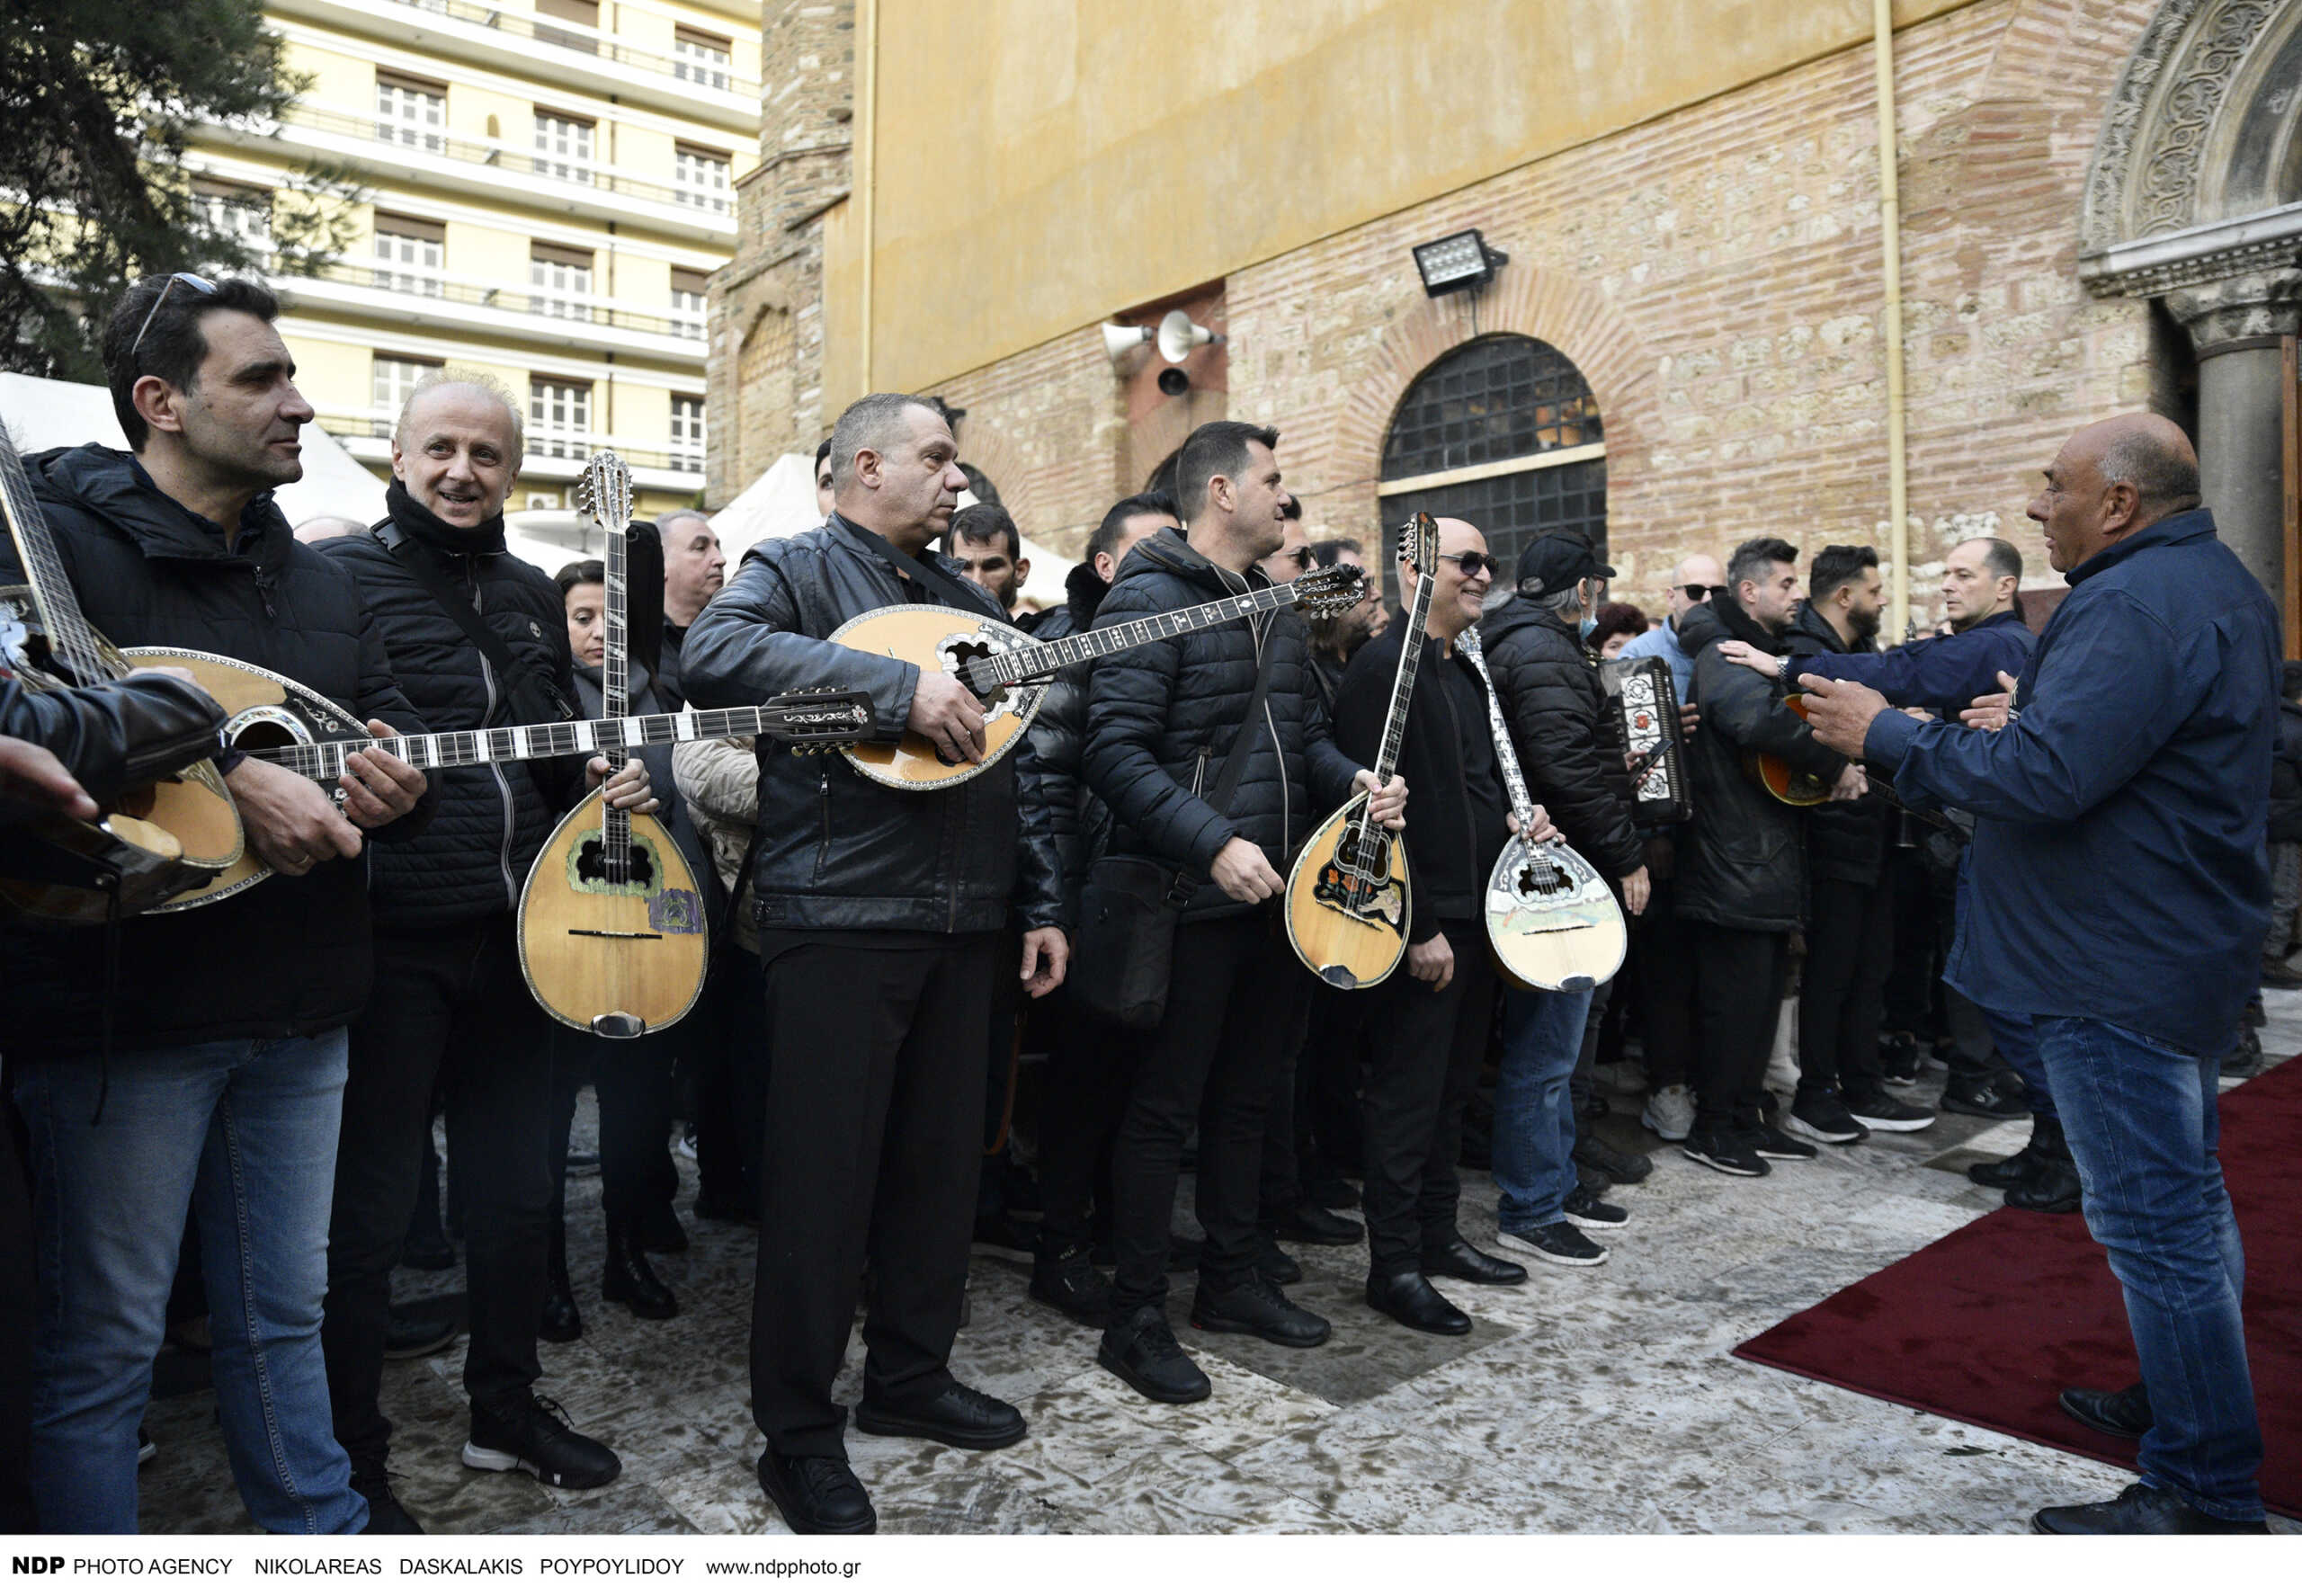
[
  {"x": 1890, "y": 245},
  {"x": 867, "y": 141}
]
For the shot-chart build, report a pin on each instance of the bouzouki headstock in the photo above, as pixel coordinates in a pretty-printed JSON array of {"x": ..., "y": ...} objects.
[
  {"x": 1330, "y": 590},
  {"x": 1419, "y": 541},
  {"x": 604, "y": 492},
  {"x": 818, "y": 721}
]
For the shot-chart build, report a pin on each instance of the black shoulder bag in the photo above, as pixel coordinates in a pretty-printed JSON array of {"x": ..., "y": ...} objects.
[
  {"x": 1124, "y": 962},
  {"x": 527, "y": 696}
]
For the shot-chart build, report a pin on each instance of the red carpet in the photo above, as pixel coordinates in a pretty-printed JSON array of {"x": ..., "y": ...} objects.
[{"x": 1989, "y": 1324}]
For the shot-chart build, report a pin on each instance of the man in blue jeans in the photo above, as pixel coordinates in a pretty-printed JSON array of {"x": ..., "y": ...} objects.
[
  {"x": 2116, "y": 892},
  {"x": 195, "y": 1064}
]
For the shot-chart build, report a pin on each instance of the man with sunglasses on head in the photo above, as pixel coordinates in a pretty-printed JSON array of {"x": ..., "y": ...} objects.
[{"x": 195, "y": 1062}]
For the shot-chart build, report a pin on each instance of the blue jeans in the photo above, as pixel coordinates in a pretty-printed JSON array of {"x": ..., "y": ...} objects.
[
  {"x": 2016, "y": 1040},
  {"x": 242, "y": 1135},
  {"x": 1534, "y": 1113},
  {"x": 2142, "y": 1123}
]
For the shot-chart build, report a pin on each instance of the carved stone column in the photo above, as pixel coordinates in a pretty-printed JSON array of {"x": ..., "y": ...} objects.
[{"x": 2236, "y": 324}]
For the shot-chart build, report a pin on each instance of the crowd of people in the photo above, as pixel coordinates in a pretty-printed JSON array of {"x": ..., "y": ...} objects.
[{"x": 256, "y": 1082}]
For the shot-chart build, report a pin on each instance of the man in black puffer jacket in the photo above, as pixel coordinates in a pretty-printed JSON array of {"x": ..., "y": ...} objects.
[
  {"x": 1161, "y": 719},
  {"x": 200, "y": 1066},
  {"x": 1742, "y": 879},
  {"x": 449, "y": 1000}
]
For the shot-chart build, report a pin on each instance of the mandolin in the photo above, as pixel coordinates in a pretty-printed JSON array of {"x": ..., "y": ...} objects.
[
  {"x": 1553, "y": 922},
  {"x": 1348, "y": 895},
  {"x": 172, "y": 837},
  {"x": 998, "y": 663},
  {"x": 1789, "y": 785}
]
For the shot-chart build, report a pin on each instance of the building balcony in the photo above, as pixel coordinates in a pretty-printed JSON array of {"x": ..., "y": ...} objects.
[
  {"x": 399, "y": 294},
  {"x": 552, "y": 458},
  {"x": 492, "y": 170},
  {"x": 558, "y": 52}
]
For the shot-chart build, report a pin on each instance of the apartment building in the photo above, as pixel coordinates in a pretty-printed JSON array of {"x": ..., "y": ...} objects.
[{"x": 546, "y": 186}]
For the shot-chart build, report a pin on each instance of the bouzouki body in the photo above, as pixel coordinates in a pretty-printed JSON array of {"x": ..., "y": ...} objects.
[{"x": 618, "y": 958}]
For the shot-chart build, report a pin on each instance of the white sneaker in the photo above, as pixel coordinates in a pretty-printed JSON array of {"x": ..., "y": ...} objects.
[{"x": 1669, "y": 1113}]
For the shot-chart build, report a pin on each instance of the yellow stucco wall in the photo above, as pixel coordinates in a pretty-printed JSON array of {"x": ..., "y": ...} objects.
[{"x": 1127, "y": 149}]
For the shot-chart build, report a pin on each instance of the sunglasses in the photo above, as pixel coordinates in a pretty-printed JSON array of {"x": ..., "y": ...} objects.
[
  {"x": 186, "y": 278},
  {"x": 1696, "y": 592},
  {"x": 1474, "y": 563}
]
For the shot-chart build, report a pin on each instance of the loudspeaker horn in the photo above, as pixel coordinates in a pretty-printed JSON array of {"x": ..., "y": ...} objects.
[
  {"x": 1179, "y": 335},
  {"x": 1119, "y": 342}
]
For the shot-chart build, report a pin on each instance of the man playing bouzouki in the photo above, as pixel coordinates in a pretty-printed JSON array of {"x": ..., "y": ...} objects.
[
  {"x": 879, "y": 913},
  {"x": 200, "y": 1065}
]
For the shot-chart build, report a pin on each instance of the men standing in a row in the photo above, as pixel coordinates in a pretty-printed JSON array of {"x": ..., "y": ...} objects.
[
  {"x": 477, "y": 638},
  {"x": 1162, "y": 720},
  {"x": 1430, "y": 1020},
  {"x": 1744, "y": 880},
  {"x": 198, "y": 1064},
  {"x": 881, "y": 914}
]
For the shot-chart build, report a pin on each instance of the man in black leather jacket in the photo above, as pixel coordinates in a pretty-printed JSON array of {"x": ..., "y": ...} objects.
[
  {"x": 1161, "y": 719},
  {"x": 879, "y": 913}
]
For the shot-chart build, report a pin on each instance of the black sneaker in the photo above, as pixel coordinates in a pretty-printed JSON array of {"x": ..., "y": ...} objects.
[
  {"x": 1876, "y": 1110},
  {"x": 1585, "y": 1208},
  {"x": 1621, "y": 1168},
  {"x": 1556, "y": 1242},
  {"x": 1309, "y": 1223},
  {"x": 386, "y": 1516},
  {"x": 1273, "y": 1263},
  {"x": 1256, "y": 1307},
  {"x": 1982, "y": 1097},
  {"x": 1768, "y": 1142},
  {"x": 1898, "y": 1059},
  {"x": 1068, "y": 1282},
  {"x": 532, "y": 1434},
  {"x": 1142, "y": 1350},
  {"x": 1823, "y": 1116},
  {"x": 1724, "y": 1151}
]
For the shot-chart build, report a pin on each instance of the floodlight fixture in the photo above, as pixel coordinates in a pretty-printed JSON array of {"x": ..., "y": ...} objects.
[{"x": 1458, "y": 262}]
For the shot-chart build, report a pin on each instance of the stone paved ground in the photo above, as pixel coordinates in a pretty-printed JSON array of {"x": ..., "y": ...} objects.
[{"x": 1585, "y": 1400}]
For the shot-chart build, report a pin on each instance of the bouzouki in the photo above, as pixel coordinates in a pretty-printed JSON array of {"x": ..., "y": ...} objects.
[
  {"x": 1788, "y": 784},
  {"x": 172, "y": 837},
  {"x": 1553, "y": 922},
  {"x": 1348, "y": 897},
  {"x": 999, "y": 663}
]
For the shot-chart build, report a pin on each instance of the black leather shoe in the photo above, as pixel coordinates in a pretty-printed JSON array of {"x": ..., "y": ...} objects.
[
  {"x": 816, "y": 1495},
  {"x": 1459, "y": 1261},
  {"x": 386, "y": 1516},
  {"x": 1068, "y": 1282},
  {"x": 2005, "y": 1172},
  {"x": 1620, "y": 1168},
  {"x": 959, "y": 1417},
  {"x": 1256, "y": 1307},
  {"x": 2140, "y": 1510},
  {"x": 1273, "y": 1263},
  {"x": 416, "y": 1335},
  {"x": 1413, "y": 1302},
  {"x": 626, "y": 1277},
  {"x": 1309, "y": 1222},
  {"x": 1142, "y": 1350},
  {"x": 1331, "y": 1191},
  {"x": 2049, "y": 1188},
  {"x": 2124, "y": 1413}
]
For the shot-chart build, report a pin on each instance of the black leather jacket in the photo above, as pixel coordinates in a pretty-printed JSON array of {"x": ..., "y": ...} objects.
[
  {"x": 1162, "y": 718},
  {"x": 1742, "y": 859},
  {"x": 1080, "y": 822},
  {"x": 1570, "y": 749},
  {"x": 837, "y": 850},
  {"x": 114, "y": 736}
]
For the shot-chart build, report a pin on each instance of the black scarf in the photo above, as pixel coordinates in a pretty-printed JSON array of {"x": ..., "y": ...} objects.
[{"x": 425, "y": 528}]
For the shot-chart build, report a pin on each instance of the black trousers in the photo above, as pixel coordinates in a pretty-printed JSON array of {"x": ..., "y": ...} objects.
[
  {"x": 18, "y": 1322},
  {"x": 447, "y": 1004},
  {"x": 1911, "y": 1003},
  {"x": 1663, "y": 945},
  {"x": 1281, "y": 1181},
  {"x": 1429, "y": 1046},
  {"x": 1330, "y": 1073},
  {"x": 1739, "y": 977},
  {"x": 1213, "y": 1062},
  {"x": 730, "y": 1077},
  {"x": 1081, "y": 1098},
  {"x": 1850, "y": 949},
  {"x": 633, "y": 1082},
  {"x": 872, "y": 1147}
]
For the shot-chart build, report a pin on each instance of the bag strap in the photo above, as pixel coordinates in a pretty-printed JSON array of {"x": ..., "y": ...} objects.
[
  {"x": 944, "y": 586},
  {"x": 425, "y": 566},
  {"x": 1235, "y": 762}
]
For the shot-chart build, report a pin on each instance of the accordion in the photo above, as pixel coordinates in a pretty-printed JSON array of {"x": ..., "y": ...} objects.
[{"x": 1649, "y": 707}]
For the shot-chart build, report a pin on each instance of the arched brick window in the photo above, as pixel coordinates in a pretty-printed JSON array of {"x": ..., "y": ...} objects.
[{"x": 1502, "y": 431}]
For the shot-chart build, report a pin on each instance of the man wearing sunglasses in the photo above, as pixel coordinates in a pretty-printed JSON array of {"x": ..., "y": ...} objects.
[{"x": 1692, "y": 582}]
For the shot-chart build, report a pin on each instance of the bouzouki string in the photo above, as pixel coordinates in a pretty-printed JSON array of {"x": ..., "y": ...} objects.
[
  {"x": 1367, "y": 847},
  {"x": 1514, "y": 780},
  {"x": 70, "y": 638},
  {"x": 611, "y": 510}
]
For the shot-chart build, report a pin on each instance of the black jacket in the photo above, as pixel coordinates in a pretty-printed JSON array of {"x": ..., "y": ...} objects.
[
  {"x": 1742, "y": 861},
  {"x": 1569, "y": 745},
  {"x": 1844, "y": 842},
  {"x": 837, "y": 850},
  {"x": 1079, "y": 821},
  {"x": 1451, "y": 847},
  {"x": 289, "y": 957},
  {"x": 493, "y": 818},
  {"x": 1162, "y": 718},
  {"x": 111, "y": 737}
]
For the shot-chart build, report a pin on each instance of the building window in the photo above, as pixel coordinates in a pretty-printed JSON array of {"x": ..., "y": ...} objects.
[
  {"x": 412, "y": 112},
  {"x": 697, "y": 56},
  {"x": 563, "y": 146},
  {"x": 687, "y": 433},
  {"x": 561, "y": 280},
  {"x": 396, "y": 379},
  {"x": 699, "y": 177},
  {"x": 241, "y": 214},
  {"x": 411, "y": 255},
  {"x": 687, "y": 302},
  {"x": 1504, "y": 433},
  {"x": 559, "y": 418},
  {"x": 584, "y": 12}
]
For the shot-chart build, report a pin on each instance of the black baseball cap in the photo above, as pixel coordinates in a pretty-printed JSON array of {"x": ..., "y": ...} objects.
[{"x": 1558, "y": 562}]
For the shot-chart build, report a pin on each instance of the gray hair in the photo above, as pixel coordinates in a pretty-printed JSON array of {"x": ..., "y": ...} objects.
[
  {"x": 664, "y": 521},
  {"x": 2162, "y": 479},
  {"x": 479, "y": 382},
  {"x": 874, "y": 422},
  {"x": 1569, "y": 597},
  {"x": 313, "y": 529}
]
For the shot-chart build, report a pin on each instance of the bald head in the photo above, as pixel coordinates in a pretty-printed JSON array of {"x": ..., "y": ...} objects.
[
  {"x": 1696, "y": 570},
  {"x": 2110, "y": 480},
  {"x": 319, "y": 528}
]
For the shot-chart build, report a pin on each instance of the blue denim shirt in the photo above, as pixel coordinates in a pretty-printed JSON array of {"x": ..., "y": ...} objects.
[
  {"x": 2119, "y": 869},
  {"x": 1662, "y": 643}
]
